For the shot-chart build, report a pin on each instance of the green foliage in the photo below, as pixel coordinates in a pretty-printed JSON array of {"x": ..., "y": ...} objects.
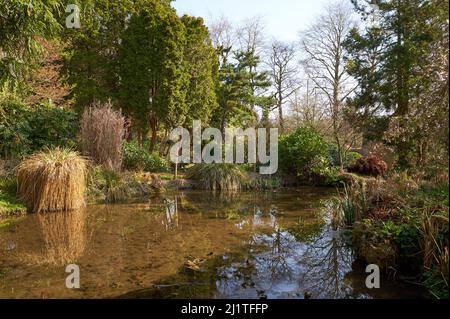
[
  {"x": 406, "y": 236},
  {"x": 22, "y": 23},
  {"x": 153, "y": 77},
  {"x": 436, "y": 284},
  {"x": 221, "y": 177},
  {"x": 139, "y": 158},
  {"x": 9, "y": 203},
  {"x": 107, "y": 184},
  {"x": 24, "y": 129},
  {"x": 201, "y": 65},
  {"x": 304, "y": 153},
  {"x": 238, "y": 89},
  {"x": 349, "y": 157},
  {"x": 401, "y": 66},
  {"x": 91, "y": 55}
]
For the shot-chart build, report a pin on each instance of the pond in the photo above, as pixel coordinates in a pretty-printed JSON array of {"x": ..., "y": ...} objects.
[{"x": 189, "y": 245}]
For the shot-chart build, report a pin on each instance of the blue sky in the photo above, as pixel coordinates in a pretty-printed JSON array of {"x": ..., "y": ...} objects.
[{"x": 284, "y": 18}]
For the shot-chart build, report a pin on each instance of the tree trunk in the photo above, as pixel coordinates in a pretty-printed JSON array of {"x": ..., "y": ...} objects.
[{"x": 154, "y": 129}]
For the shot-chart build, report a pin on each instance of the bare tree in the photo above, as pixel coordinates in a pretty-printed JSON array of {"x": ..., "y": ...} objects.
[
  {"x": 307, "y": 107},
  {"x": 284, "y": 74},
  {"x": 251, "y": 35},
  {"x": 222, "y": 33},
  {"x": 324, "y": 63}
]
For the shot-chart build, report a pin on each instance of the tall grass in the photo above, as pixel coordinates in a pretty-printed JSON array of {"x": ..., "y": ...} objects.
[
  {"x": 219, "y": 177},
  {"x": 102, "y": 132},
  {"x": 435, "y": 248},
  {"x": 53, "y": 180}
]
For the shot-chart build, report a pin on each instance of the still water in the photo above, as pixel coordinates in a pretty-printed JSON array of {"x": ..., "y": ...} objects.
[{"x": 189, "y": 245}]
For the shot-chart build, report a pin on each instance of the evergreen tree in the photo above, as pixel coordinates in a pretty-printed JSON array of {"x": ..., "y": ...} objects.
[
  {"x": 389, "y": 60},
  {"x": 202, "y": 67},
  {"x": 153, "y": 77}
]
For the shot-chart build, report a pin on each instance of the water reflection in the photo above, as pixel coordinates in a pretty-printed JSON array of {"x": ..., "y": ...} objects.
[
  {"x": 171, "y": 220},
  {"x": 248, "y": 245},
  {"x": 64, "y": 238}
]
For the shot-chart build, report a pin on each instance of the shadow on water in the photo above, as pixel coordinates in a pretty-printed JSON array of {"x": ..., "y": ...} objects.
[{"x": 189, "y": 245}]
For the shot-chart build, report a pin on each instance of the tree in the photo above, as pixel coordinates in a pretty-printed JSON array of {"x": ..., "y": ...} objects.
[
  {"x": 153, "y": 78},
  {"x": 392, "y": 60},
  {"x": 21, "y": 25},
  {"x": 202, "y": 68},
  {"x": 240, "y": 89},
  {"x": 91, "y": 54},
  {"x": 250, "y": 35},
  {"x": 284, "y": 75},
  {"x": 323, "y": 45}
]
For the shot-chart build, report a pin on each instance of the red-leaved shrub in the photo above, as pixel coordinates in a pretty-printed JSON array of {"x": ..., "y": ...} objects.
[{"x": 371, "y": 166}]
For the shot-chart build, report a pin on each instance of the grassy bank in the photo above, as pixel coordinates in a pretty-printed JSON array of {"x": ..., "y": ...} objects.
[{"x": 10, "y": 205}]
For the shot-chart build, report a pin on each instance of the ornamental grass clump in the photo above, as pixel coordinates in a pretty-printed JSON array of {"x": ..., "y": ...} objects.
[
  {"x": 53, "y": 180},
  {"x": 102, "y": 132},
  {"x": 219, "y": 177}
]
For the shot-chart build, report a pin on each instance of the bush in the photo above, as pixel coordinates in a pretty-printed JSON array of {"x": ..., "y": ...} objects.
[
  {"x": 102, "y": 132},
  {"x": 24, "y": 130},
  {"x": 370, "y": 166},
  {"x": 349, "y": 157},
  {"x": 304, "y": 153},
  {"x": 222, "y": 177},
  {"x": 138, "y": 158},
  {"x": 9, "y": 204},
  {"x": 53, "y": 180}
]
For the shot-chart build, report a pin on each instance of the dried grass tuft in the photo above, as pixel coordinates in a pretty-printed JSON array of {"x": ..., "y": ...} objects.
[
  {"x": 102, "y": 132},
  {"x": 53, "y": 180}
]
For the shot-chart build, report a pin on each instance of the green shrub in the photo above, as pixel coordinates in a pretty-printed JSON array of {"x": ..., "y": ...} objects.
[
  {"x": 9, "y": 203},
  {"x": 24, "y": 130},
  {"x": 221, "y": 177},
  {"x": 304, "y": 153},
  {"x": 349, "y": 157},
  {"x": 138, "y": 158}
]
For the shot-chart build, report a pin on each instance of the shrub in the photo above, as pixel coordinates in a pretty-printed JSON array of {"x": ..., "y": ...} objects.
[
  {"x": 53, "y": 180},
  {"x": 24, "y": 129},
  {"x": 138, "y": 158},
  {"x": 370, "y": 166},
  {"x": 349, "y": 157},
  {"x": 302, "y": 153},
  {"x": 221, "y": 177},
  {"x": 102, "y": 132}
]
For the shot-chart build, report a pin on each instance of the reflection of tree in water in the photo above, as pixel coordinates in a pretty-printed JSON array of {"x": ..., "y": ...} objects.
[
  {"x": 65, "y": 238},
  {"x": 225, "y": 205},
  {"x": 171, "y": 218},
  {"x": 325, "y": 262}
]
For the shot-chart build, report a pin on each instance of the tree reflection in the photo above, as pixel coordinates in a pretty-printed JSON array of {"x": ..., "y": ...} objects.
[{"x": 326, "y": 261}]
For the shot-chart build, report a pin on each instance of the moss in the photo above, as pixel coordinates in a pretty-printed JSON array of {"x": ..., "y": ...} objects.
[{"x": 10, "y": 205}]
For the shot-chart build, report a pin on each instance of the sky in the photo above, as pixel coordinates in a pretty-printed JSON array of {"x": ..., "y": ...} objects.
[{"x": 284, "y": 19}]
